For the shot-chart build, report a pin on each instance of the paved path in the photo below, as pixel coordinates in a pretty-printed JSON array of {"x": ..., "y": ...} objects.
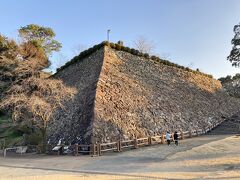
[
  {"x": 206, "y": 157},
  {"x": 142, "y": 160}
]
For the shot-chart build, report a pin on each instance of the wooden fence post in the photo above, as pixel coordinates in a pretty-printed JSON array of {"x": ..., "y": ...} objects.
[
  {"x": 190, "y": 133},
  {"x": 60, "y": 151},
  {"x": 135, "y": 143},
  {"x": 182, "y": 135},
  {"x": 149, "y": 140},
  {"x": 119, "y": 145},
  {"x": 93, "y": 146},
  {"x": 98, "y": 153},
  {"x": 76, "y": 150},
  {"x": 196, "y": 132},
  {"x": 162, "y": 138},
  {"x": 99, "y": 149},
  {"x": 4, "y": 152}
]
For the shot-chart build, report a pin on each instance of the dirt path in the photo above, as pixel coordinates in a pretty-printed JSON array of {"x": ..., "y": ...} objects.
[{"x": 209, "y": 156}]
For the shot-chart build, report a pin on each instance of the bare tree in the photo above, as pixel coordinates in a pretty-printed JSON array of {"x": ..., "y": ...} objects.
[
  {"x": 166, "y": 56},
  {"x": 32, "y": 98},
  {"x": 191, "y": 65},
  {"x": 28, "y": 93},
  {"x": 144, "y": 45}
]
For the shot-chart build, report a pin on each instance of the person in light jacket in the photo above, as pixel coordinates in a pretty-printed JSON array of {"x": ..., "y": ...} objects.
[{"x": 168, "y": 138}]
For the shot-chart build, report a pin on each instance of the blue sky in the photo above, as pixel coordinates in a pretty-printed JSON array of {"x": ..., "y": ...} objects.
[{"x": 195, "y": 33}]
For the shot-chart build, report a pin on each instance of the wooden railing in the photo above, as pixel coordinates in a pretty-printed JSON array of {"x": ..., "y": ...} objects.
[{"x": 99, "y": 148}]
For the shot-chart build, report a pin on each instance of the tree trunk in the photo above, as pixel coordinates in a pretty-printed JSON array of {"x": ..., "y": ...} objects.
[{"x": 44, "y": 139}]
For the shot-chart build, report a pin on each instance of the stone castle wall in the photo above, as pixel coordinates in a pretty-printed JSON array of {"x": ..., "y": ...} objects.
[
  {"x": 122, "y": 95},
  {"x": 76, "y": 119},
  {"x": 137, "y": 97}
]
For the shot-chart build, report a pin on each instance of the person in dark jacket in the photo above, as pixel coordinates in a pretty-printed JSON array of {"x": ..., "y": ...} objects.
[{"x": 175, "y": 137}]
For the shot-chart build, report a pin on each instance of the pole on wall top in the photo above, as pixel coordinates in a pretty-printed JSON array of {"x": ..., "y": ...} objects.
[{"x": 108, "y": 34}]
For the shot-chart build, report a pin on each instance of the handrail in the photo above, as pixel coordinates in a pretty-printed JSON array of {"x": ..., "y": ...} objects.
[
  {"x": 140, "y": 139},
  {"x": 107, "y": 144},
  {"x": 156, "y": 137},
  {"x": 118, "y": 146},
  {"x": 127, "y": 141}
]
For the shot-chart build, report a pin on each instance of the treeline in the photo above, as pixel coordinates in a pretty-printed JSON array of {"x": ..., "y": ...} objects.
[{"x": 229, "y": 78}]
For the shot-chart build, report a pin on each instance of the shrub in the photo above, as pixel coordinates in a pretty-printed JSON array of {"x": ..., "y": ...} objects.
[
  {"x": 158, "y": 59},
  {"x": 129, "y": 50},
  {"x": 126, "y": 49},
  {"x": 141, "y": 54},
  {"x": 96, "y": 47},
  {"x": 134, "y": 52},
  {"x": 21, "y": 129},
  {"x": 165, "y": 62},
  {"x": 89, "y": 51},
  {"x": 146, "y": 55},
  {"x": 137, "y": 52},
  {"x": 83, "y": 54},
  {"x": 33, "y": 139},
  {"x": 123, "y": 48},
  {"x": 25, "y": 129},
  {"x": 153, "y": 58},
  {"x": 118, "y": 47},
  {"x": 187, "y": 68},
  {"x": 105, "y": 43},
  {"x": 181, "y": 67},
  {"x": 112, "y": 45}
]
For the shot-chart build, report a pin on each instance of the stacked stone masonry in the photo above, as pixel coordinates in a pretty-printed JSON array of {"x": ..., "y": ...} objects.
[{"x": 125, "y": 96}]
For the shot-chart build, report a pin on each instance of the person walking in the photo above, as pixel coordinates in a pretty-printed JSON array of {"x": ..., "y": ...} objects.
[
  {"x": 168, "y": 138},
  {"x": 175, "y": 137}
]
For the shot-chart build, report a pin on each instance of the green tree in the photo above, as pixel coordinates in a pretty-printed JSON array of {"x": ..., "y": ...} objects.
[
  {"x": 225, "y": 79},
  {"x": 234, "y": 56},
  {"x": 40, "y": 37},
  {"x": 26, "y": 92},
  {"x": 237, "y": 76}
]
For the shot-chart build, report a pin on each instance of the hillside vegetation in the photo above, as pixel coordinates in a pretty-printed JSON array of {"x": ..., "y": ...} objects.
[{"x": 27, "y": 93}]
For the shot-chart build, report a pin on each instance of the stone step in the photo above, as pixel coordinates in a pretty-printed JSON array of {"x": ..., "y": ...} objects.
[{"x": 230, "y": 126}]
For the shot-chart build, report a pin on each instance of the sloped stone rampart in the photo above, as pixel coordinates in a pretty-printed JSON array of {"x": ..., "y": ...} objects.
[
  {"x": 137, "y": 97},
  {"x": 121, "y": 95},
  {"x": 76, "y": 119}
]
